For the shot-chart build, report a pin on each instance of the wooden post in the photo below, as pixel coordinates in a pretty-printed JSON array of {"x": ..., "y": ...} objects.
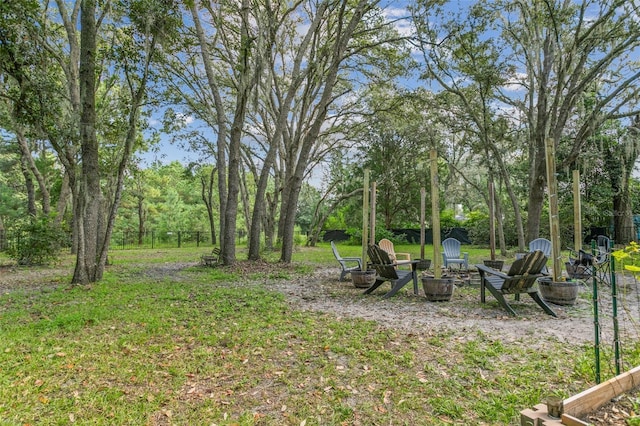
[
  {"x": 435, "y": 214},
  {"x": 577, "y": 212},
  {"x": 423, "y": 196},
  {"x": 554, "y": 219},
  {"x": 365, "y": 219},
  {"x": 372, "y": 214},
  {"x": 492, "y": 221}
]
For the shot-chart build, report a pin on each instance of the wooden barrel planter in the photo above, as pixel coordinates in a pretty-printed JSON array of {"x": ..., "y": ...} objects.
[
  {"x": 438, "y": 289},
  {"x": 559, "y": 292},
  {"x": 363, "y": 279},
  {"x": 578, "y": 272}
]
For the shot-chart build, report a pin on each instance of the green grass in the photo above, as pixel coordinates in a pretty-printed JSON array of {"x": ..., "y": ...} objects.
[{"x": 206, "y": 346}]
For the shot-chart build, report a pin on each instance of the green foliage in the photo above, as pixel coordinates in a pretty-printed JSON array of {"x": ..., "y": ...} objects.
[
  {"x": 355, "y": 236},
  {"x": 309, "y": 198},
  {"x": 477, "y": 224},
  {"x": 38, "y": 242},
  {"x": 629, "y": 258},
  {"x": 448, "y": 220}
]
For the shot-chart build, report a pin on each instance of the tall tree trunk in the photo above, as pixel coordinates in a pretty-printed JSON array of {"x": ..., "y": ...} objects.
[
  {"x": 624, "y": 229},
  {"x": 206, "y": 193},
  {"x": 142, "y": 217},
  {"x": 31, "y": 165},
  {"x": 246, "y": 204},
  {"x": 294, "y": 184},
  {"x": 248, "y": 75},
  {"x": 500, "y": 224},
  {"x": 32, "y": 209},
  {"x": 89, "y": 201},
  {"x": 260, "y": 204},
  {"x": 537, "y": 185},
  {"x": 221, "y": 120},
  {"x": 269, "y": 219},
  {"x": 285, "y": 105},
  {"x": 63, "y": 199}
]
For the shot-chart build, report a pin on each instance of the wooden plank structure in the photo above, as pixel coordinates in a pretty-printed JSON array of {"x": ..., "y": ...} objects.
[{"x": 586, "y": 402}]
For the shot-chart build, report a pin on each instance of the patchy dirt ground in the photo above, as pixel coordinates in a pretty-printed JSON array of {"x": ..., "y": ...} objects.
[{"x": 464, "y": 315}]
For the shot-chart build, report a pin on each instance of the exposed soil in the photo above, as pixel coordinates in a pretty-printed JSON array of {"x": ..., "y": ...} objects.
[
  {"x": 464, "y": 312},
  {"x": 619, "y": 411}
]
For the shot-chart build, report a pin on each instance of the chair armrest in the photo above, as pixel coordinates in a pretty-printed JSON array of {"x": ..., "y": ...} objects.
[
  {"x": 488, "y": 270},
  {"x": 353, "y": 259},
  {"x": 406, "y": 255},
  {"x": 465, "y": 255}
]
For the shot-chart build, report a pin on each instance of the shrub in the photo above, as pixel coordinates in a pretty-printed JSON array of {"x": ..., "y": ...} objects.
[
  {"x": 37, "y": 242},
  {"x": 477, "y": 224}
]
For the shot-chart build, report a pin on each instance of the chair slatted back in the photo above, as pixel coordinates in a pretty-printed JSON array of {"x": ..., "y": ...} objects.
[
  {"x": 382, "y": 262},
  {"x": 335, "y": 251},
  {"x": 541, "y": 244},
  {"x": 451, "y": 248},
  {"x": 524, "y": 272},
  {"x": 387, "y": 246}
]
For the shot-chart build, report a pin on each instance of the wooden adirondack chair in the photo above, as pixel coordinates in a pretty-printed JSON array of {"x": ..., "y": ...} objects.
[
  {"x": 397, "y": 257},
  {"x": 521, "y": 278},
  {"x": 211, "y": 259},
  {"x": 347, "y": 264},
  {"x": 544, "y": 246},
  {"x": 386, "y": 271}
]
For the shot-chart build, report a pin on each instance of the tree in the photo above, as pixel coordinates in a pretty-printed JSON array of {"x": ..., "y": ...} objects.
[
  {"x": 562, "y": 50},
  {"x": 348, "y": 37},
  {"x": 65, "y": 108},
  {"x": 467, "y": 65}
]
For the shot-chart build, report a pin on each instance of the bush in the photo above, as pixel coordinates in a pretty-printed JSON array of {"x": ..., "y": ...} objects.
[
  {"x": 477, "y": 224},
  {"x": 37, "y": 243}
]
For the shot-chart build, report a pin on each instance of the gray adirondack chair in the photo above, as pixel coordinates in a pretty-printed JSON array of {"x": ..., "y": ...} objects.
[
  {"x": 451, "y": 254},
  {"x": 347, "y": 264},
  {"x": 544, "y": 246}
]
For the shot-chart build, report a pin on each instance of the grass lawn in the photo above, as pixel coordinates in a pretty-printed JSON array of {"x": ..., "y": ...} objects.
[{"x": 155, "y": 344}]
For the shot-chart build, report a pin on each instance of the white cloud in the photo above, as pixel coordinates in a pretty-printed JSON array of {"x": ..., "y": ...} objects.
[{"x": 185, "y": 118}]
